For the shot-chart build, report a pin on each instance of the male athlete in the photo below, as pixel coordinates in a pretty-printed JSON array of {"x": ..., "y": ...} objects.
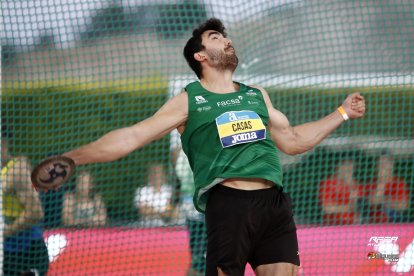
[{"x": 230, "y": 133}]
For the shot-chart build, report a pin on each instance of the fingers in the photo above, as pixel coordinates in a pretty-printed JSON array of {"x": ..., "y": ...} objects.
[
  {"x": 357, "y": 102},
  {"x": 355, "y": 105},
  {"x": 359, "y": 109},
  {"x": 357, "y": 95},
  {"x": 354, "y": 98}
]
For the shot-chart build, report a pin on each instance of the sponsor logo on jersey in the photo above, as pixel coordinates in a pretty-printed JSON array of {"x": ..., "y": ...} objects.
[
  {"x": 230, "y": 102},
  {"x": 200, "y": 100},
  {"x": 251, "y": 93},
  {"x": 244, "y": 137},
  {"x": 239, "y": 127},
  {"x": 203, "y": 108}
]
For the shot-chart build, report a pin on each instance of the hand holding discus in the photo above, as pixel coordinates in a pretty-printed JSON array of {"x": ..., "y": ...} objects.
[{"x": 52, "y": 173}]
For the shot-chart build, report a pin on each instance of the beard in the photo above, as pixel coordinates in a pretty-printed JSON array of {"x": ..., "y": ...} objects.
[{"x": 223, "y": 61}]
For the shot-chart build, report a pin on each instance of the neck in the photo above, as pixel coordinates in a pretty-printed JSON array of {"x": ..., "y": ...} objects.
[{"x": 219, "y": 82}]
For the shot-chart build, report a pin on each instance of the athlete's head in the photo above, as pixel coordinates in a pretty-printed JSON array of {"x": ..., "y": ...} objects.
[{"x": 209, "y": 44}]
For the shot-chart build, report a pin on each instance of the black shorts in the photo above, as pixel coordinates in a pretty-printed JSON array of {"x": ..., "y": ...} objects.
[{"x": 254, "y": 227}]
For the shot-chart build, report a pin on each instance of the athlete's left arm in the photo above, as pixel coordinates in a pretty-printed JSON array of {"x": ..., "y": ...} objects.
[
  {"x": 19, "y": 175},
  {"x": 301, "y": 138}
]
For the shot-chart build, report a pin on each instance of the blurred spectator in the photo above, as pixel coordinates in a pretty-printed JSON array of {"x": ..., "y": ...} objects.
[
  {"x": 194, "y": 220},
  {"x": 185, "y": 208},
  {"x": 339, "y": 195},
  {"x": 84, "y": 206},
  {"x": 52, "y": 203},
  {"x": 153, "y": 200},
  {"x": 184, "y": 211},
  {"x": 388, "y": 195},
  {"x": 23, "y": 246}
]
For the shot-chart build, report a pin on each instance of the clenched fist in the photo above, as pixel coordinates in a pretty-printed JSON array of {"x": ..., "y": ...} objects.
[{"x": 354, "y": 105}]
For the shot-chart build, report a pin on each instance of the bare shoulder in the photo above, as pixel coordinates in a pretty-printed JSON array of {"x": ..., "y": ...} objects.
[
  {"x": 264, "y": 92},
  {"x": 176, "y": 105},
  {"x": 265, "y": 96},
  {"x": 277, "y": 118},
  {"x": 174, "y": 112},
  {"x": 180, "y": 99}
]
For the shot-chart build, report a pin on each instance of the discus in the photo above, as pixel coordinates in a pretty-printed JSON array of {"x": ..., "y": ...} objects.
[{"x": 52, "y": 173}]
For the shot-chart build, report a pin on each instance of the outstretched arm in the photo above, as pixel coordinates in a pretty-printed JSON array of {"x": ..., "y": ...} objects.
[
  {"x": 301, "y": 138},
  {"x": 120, "y": 142}
]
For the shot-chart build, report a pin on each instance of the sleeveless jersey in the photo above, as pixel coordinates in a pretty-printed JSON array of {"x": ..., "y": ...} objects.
[
  {"x": 226, "y": 137},
  {"x": 11, "y": 211}
]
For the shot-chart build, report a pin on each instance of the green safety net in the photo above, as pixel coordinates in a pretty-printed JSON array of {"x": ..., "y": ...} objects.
[{"x": 75, "y": 70}]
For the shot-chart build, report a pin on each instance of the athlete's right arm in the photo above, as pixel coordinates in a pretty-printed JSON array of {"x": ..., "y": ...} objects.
[{"x": 120, "y": 142}]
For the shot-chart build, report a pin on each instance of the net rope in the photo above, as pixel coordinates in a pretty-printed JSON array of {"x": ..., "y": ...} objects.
[{"x": 75, "y": 70}]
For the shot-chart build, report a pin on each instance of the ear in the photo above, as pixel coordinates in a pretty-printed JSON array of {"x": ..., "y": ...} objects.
[{"x": 200, "y": 56}]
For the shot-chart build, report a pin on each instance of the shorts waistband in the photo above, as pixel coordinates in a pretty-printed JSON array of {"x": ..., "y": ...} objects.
[{"x": 266, "y": 192}]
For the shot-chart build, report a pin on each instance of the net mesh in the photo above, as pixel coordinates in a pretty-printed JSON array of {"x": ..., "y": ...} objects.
[{"x": 74, "y": 70}]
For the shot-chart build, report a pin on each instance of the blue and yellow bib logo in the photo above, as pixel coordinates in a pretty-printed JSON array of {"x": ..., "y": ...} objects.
[{"x": 239, "y": 127}]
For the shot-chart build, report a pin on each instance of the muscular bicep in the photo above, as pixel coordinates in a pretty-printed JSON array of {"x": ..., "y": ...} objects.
[
  {"x": 170, "y": 116},
  {"x": 282, "y": 133},
  {"x": 279, "y": 126}
]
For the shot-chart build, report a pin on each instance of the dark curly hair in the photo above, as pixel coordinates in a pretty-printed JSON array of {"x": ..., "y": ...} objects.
[{"x": 194, "y": 43}]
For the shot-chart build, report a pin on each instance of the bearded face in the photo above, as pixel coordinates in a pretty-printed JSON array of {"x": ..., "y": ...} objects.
[{"x": 223, "y": 60}]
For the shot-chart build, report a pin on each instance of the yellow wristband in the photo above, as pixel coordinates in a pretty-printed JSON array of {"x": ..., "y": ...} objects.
[{"x": 343, "y": 113}]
